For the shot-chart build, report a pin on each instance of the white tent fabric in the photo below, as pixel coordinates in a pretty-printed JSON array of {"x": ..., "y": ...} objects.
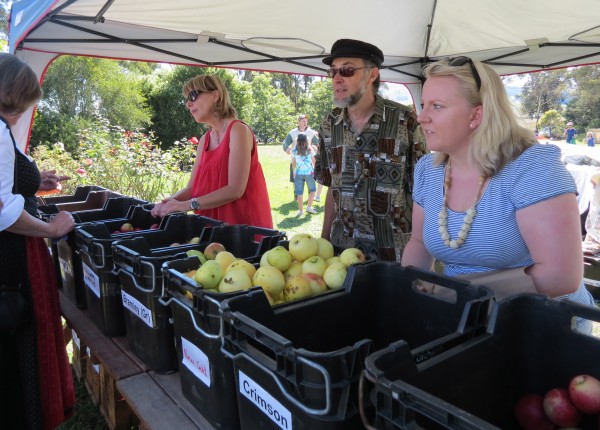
[{"x": 513, "y": 36}]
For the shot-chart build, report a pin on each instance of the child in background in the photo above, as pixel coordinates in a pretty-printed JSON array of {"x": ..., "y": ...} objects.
[
  {"x": 591, "y": 141},
  {"x": 303, "y": 167}
]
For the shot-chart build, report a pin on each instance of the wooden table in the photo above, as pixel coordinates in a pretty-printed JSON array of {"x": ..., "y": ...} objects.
[{"x": 152, "y": 400}]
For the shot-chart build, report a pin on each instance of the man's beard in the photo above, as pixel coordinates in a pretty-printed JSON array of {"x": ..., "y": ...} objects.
[{"x": 351, "y": 100}]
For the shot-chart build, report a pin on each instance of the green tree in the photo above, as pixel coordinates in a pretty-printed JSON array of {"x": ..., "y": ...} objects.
[
  {"x": 83, "y": 89},
  {"x": 318, "y": 101},
  {"x": 171, "y": 120},
  {"x": 544, "y": 91},
  {"x": 584, "y": 108},
  {"x": 273, "y": 114},
  {"x": 553, "y": 121}
]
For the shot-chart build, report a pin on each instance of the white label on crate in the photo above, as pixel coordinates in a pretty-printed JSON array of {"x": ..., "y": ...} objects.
[
  {"x": 96, "y": 368},
  {"x": 264, "y": 401},
  {"x": 196, "y": 361},
  {"x": 65, "y": 267},
  {"x": 75, "y": 339},
  {"x": 91, "y": 279},
  {"x": 137, "y": 308}
]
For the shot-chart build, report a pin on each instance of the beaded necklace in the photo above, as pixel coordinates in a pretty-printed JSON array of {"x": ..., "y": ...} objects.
[{"x": 467, "y": 220}]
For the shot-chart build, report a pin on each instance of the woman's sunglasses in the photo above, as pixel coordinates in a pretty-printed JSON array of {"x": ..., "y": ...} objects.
[
  {"x": 345, "y": 72},
  {"x": 461, "y": 61},
  {"x": 193, "y": 95}
]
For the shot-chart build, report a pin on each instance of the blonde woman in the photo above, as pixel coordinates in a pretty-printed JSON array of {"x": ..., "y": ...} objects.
[{"x": 491, "y": 197}]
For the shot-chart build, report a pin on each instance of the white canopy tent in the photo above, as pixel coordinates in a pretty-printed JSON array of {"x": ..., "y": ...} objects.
[{"x": 513, "y": 36}]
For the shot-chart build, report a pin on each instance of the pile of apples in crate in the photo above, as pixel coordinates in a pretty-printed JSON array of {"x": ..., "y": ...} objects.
[
  {"x": 560, "y": 407},
  {"x": 306, "y": 268}
]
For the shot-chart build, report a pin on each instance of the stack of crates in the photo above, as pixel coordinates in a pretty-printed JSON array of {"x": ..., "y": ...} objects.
[
  {"x": 529, "y": 347},
  {"x": 206, "y": 374},
  {"x": 298, "y": 365},
  {"x": 93, "y": 242},
  {"x": 138, "y": 266}
]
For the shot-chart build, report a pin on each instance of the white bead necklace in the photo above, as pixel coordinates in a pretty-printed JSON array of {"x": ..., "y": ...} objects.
[{"x": 467, "y": 220}]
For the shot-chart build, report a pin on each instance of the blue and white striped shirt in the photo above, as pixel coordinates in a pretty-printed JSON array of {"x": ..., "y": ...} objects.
[{"x": 494, "y": 241}]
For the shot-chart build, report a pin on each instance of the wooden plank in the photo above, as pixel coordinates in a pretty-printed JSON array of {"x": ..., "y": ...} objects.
[
  {"x": 113, "y": 406},
  {"x": 171, "y": 385},
  {"x": 155, "y": 408},
  {"x": 119, "y": 360}
]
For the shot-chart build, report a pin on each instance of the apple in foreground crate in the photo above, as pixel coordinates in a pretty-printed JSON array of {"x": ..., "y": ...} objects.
[
  {"x": 584, "y": 391},
  {"x": 559, "y": 408},
  {"x": 529, "y": 412}
]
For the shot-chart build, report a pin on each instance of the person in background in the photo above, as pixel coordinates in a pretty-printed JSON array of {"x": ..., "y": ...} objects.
[
  {"x": 290, "y": 143},
  {"x": 490, "y": 194},
  {"x": 570, "y": 133},
  {"x": 367, "y": 149},
  {"x": 227, "y": 182},
  {"x": 35, "y": 375},
  {"x": 303, "y": 166},
  {"x": 590, "y": 139}
]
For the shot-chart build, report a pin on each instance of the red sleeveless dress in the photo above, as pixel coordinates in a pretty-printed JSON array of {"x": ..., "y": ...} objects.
[{"x": 253, "y": 208}]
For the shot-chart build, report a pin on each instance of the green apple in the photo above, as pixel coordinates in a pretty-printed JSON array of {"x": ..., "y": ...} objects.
[
  {"x": 196, "y": 253},
  {"x": 294, "y": 269},
  {"x": 352, "y": 256},
  {"x": 264, "y": 260},
  {"x": 314, "y": 264},
  {"x": 335, "y": 274},
  {"x": 194, "y": 240},
  {"x": 335, "y": 259},
  {"x": 280, "y": 258},
  {"x": 209, "y": 274},
  {"x": 244, "y": 265},
  {"x": 235, "y": 280},
  {"x": 225, "y": 258},
  {"x": 296, "y": 288},
  {"x": 269, "y": 279},
  {"x": 325, "y": 248},
  {"x": 303, "y": 246}
]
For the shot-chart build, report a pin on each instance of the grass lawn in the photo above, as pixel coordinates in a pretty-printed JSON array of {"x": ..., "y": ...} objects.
[{"x": 276, "y": 166}]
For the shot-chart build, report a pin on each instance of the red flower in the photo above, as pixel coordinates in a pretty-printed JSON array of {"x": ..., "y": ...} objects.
[
  {"x": 194, "y": 140},
  {"x": 81, "y": 171}
]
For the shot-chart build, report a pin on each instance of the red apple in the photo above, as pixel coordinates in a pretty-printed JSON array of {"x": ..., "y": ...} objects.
[
  {"x": 126, "y": 228},
  {"x": 212, "y": 249},
  {"x": 559, "y": 408},
  {"x": 529, "y": 412},
  {"x": 584, "y": 392},
  {"x": 137, "y": 229},
  {"x": 154, "y": 226}
]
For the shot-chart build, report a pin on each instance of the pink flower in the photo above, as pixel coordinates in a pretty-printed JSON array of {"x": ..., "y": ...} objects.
[
  {"x": 194, "y": 140},
  {"x": 81, "y": 171}
]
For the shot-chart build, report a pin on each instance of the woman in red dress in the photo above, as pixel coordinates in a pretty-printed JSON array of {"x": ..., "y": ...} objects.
[{"x": 227, "y": 181}]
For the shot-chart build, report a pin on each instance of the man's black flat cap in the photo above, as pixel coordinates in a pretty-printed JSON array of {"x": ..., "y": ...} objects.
[{"x": 354, "y": 49}]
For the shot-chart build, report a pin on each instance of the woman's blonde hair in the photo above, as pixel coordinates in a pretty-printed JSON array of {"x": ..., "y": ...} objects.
[
  {"x": 207, "y": 83},
  {"x": 19, "y": 85},
  {"x": 499, "y": 138}
]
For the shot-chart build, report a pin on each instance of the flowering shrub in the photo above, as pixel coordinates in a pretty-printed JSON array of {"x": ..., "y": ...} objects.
[{"x": 129, "y": 162}]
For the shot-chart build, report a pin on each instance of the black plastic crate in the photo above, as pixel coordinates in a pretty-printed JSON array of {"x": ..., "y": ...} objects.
[
  {"x": 69, "y": 261},
  {"x": 297, "y": 365},
  {"x": 529, "y": 348},
  {"x": 137, "y": 261},
  {"x": 79, "y": 195},
  {"x": 209, "y": 386}
]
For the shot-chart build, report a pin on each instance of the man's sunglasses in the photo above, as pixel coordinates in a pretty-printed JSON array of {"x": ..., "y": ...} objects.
[
  {"x": 461, "y": 61},
  {"x": 193, "y": 95},
  {"x": 345, "y": 72}
]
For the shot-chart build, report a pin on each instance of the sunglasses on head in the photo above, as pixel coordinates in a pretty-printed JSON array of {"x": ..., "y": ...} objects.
[
  {"x": 193, "y": 95},
  {"x": 461, "y": 61},
  {"x": 345, "y": 72}
]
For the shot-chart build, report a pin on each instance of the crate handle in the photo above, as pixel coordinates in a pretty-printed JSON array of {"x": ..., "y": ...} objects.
[
  {"x": 189, "y": 310},
  {"x": 287, "y": 395},
  {"x": 92, "y": 263},
  {"x": 153, "y": 278}
]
